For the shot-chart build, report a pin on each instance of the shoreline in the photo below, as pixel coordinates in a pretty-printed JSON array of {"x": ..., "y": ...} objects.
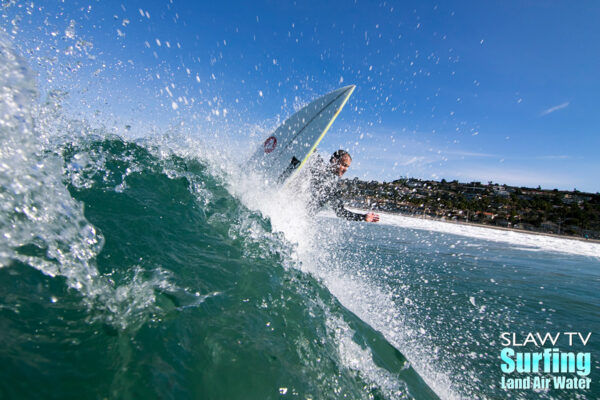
[{"x": 581, "y": 239}]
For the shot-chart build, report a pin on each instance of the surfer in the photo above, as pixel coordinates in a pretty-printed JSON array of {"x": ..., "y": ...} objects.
[{"x": 325, "y": 186}]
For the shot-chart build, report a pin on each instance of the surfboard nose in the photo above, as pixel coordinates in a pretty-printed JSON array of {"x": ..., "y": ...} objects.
[
  {"x": 349, "y": 88},
  {"x": 345, "y": 91}
]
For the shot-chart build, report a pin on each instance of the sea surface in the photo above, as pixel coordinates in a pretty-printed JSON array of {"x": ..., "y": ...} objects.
[{"x": 154, "y": 269}]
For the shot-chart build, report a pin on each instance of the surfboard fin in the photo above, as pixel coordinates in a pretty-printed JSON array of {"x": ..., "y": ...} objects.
[{"x": 288, "y": 171}]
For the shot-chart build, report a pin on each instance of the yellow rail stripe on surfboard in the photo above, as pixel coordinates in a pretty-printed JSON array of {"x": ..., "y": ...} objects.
[{"x": 321, "y": 137}]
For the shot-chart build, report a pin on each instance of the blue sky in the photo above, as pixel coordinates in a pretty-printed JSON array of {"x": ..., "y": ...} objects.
[{"x": 494, "y": 90}]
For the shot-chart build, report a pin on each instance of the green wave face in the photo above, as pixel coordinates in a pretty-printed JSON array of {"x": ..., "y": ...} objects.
[{"x": 186, "y": 294}]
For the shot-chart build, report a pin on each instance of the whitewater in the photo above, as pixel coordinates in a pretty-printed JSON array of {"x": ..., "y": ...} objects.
[{"x": 519, "y": 240}]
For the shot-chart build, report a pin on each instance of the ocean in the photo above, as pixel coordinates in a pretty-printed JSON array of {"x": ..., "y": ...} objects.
[{"x": 155, "y": 268}]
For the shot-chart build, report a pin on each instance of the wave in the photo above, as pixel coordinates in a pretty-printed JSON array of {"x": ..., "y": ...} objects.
[{"x": 140, "y": 269}]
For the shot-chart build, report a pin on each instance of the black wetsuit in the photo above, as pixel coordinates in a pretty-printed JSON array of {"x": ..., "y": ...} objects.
[{"x": 325, "y": 188}]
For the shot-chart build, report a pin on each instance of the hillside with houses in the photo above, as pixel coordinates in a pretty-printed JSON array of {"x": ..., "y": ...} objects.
[{"x": 555, "y": 211}]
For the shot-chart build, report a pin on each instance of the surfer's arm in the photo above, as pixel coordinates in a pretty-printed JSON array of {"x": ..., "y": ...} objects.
[{"x": 341, "y": 212}]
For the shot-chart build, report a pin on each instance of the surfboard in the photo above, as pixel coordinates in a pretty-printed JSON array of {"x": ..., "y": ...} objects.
[{"x": 286, "y": 150}]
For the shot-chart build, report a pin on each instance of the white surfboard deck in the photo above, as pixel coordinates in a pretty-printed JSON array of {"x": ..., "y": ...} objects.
[{"x": 287, "y": 149}]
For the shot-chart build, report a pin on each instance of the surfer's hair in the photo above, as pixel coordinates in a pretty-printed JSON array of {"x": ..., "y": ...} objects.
[{"x": 338, "y": 155}]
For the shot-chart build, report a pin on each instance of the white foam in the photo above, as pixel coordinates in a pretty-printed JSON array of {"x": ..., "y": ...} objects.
[
  {"x": 317, "y": 247},
  {"x": 521, "y": 240},
  {"x": 376, "y": 307}
]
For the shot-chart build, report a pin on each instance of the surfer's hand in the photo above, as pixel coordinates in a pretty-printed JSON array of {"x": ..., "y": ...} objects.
[{"x": 372, "y": 217}]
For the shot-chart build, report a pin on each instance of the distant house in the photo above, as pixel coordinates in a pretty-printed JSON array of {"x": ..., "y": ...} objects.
[
  {"x": 489, "y": 215},
  {"x": 572, "y": 199},
  {"x": 524, "y": 226},
  {"x": 473, "y": 192},
  {"x": 502, "y": 222},
  {"x": 414, "y": 184},
  {"x": 549, "y": 226},
  {"x": 573, "y": 229}
]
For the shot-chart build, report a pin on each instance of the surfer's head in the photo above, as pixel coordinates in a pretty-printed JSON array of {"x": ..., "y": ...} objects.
[{"x": 340, "y": 162}]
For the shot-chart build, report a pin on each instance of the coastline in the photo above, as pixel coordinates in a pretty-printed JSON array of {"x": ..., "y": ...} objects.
[{"x": 567, "y": 237}]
